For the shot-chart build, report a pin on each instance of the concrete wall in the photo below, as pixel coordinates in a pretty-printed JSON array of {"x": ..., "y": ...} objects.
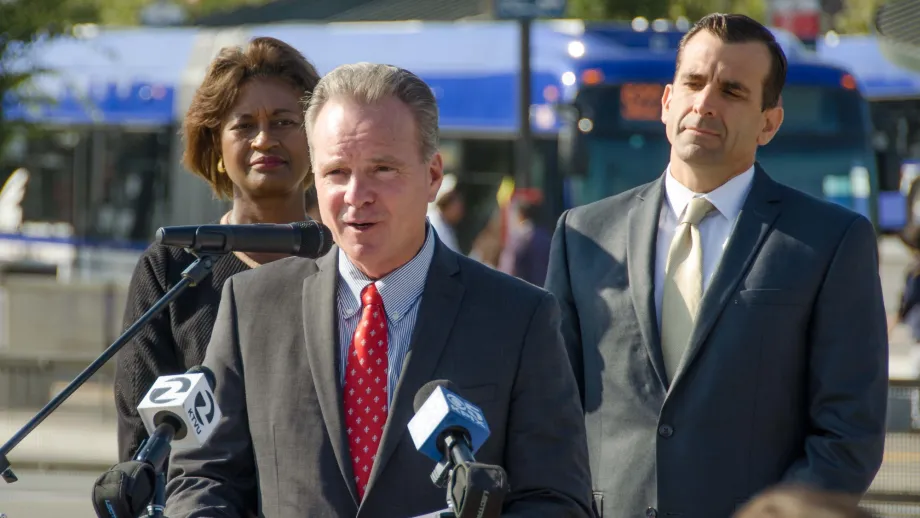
[
  {"x": 50, "y": 331},
  {"x": 40, "y": 315}
]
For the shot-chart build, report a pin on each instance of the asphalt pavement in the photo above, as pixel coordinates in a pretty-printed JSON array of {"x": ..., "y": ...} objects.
[{"x": 48, "y": 495}]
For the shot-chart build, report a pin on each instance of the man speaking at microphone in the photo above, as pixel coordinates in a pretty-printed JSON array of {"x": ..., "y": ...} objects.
[{"x": 317, "y": 363}]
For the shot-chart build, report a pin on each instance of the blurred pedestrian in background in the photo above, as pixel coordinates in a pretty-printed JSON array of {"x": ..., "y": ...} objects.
[
  {"x": 447, "y": 211},
  {"x": 526, "y": 252}
]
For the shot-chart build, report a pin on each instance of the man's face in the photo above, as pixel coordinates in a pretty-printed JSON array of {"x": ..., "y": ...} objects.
[
  {"x": 373, "y": 186},
  {"x": 713, "y": 111}
]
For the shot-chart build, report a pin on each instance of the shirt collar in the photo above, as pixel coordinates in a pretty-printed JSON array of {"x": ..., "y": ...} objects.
[
  {"x": 399, "y": 289},
  {"x": 728, "y": 198}
]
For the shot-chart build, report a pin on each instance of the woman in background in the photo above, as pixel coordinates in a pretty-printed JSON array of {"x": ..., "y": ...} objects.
[{"x": 244, "y": 136}]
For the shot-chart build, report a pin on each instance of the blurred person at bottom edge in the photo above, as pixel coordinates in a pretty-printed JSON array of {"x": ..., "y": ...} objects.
[{"x": 794, "y": 501}]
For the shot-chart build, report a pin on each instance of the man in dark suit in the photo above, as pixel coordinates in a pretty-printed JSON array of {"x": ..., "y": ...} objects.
[
  {"x": 727, "y": 332},
  {"x": 317, "y": 363}
]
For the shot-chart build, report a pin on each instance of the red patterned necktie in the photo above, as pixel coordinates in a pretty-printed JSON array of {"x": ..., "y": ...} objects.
[{"x": 365, "y": 387}]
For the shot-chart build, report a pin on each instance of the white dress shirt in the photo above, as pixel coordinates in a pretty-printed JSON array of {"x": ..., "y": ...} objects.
[
  {"x": 401, "y": 291},
  {"x": 715, "y": 228}
]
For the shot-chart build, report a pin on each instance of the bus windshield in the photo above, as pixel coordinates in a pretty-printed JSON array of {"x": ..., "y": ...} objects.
[{"x": 824, "y": 135}]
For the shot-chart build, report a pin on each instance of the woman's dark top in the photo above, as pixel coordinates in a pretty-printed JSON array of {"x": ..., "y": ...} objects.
[{"x": 172, "y": 341}]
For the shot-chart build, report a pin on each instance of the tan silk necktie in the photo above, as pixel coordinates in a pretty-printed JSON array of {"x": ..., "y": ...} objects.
[{"x": 683, "y": 285}]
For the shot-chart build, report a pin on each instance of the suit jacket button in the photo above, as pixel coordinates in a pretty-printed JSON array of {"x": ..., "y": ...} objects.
[
  {"x": 665, "y": 431},
  {"x": 651, "y": 512}
]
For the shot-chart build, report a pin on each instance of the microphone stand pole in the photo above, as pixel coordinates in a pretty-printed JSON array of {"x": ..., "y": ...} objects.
[
  {"x": 441, "y": 473},
  {"x": 192, "y": 276},
  {"x": 457, "y": 456},
  {"x": 440, "y": 476},
  {"x": 155, "y": 450}
]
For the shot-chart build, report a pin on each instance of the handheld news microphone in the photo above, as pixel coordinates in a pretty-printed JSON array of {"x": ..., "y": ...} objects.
[
  {"x": 445, "y": 424},
  {"x": 305, "y": 238},
  {"x": 183, "y": 405},
  {"x": 178, "y": 411},
  {"x": 450, "y": 430}
]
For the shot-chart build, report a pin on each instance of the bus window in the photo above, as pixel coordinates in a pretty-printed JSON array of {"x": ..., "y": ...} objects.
[
  {"x": 104, "y": 183},
  {"x": 127, "y": 184},
  {"x": 896, "y": 142},
  {"x": 54, "y": 160}
]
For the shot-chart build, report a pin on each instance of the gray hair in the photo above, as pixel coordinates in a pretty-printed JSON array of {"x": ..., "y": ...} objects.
[{"x": 370, "y": 83}]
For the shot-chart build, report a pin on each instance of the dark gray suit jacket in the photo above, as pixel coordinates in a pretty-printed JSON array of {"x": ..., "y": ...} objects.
[
  {"x": 786, "y": 378},
  {"x": 281, "y": 449}
]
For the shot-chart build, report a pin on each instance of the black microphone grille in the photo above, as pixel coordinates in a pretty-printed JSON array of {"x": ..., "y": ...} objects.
[
  {"x": 316, "y": 239},
  {"x": 427, "y": 389},
  {"x": 208, "y": 374}
]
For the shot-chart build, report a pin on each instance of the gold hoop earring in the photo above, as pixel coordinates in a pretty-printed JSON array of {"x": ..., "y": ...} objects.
[{"x": 220, "y": 165}]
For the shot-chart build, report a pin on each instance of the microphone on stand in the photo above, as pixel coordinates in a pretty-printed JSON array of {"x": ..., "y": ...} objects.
[
  {"x": 446, "y": 425},
  {"x": 178, "y": 411},
  {"x": 305, "y": 238},
  {"x": 450, "y": 430},
  {"x": 193, "y": 275}
]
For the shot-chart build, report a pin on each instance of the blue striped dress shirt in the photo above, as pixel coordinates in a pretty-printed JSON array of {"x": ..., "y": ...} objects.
[{"x": 401, "y": 291}]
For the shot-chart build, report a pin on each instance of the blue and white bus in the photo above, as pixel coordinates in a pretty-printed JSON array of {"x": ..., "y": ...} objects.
[
  {"x": 894, "y": 100},
  {"x": 110, "y": 163}
]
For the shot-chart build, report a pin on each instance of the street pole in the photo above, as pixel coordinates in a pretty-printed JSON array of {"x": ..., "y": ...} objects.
[{"x": 525, "y": 141}]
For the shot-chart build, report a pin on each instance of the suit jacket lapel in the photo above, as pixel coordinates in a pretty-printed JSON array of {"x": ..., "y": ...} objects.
[
  {"x": 436, "y": 314},
  {"x": 319, "y": 320},
  {"x": 754, "y": 222},
  {"x": 642, "y": 238}
]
